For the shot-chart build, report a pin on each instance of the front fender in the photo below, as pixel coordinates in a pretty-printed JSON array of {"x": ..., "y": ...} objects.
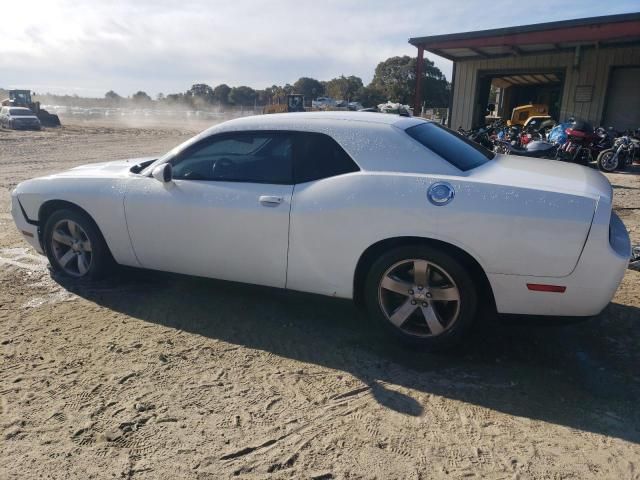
[{"x": 101, "y": 198}]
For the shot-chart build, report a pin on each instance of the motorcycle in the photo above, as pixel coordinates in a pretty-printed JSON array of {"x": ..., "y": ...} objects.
[
  {"x": 558, "y": 133},
  {"x": 526, "y": 143},
  {"x": 483, "y": 136},
  {"x": 535, "y": 131},
  {"x": 534, "y": 149},
  {"x": 620, "y": 156},
  {"x": 584, "y": 143},
  {"x": 514, "y": 140}
]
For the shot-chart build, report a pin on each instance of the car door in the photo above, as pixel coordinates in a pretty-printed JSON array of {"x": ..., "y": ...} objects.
[
  {"x": 325, "y": 216},
  {"x": 225, "y": 214}
]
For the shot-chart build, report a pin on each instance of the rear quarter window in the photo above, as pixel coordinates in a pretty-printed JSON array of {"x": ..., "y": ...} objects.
[
  {"x": 459, "y": 151},
  {"x": 319, "y": 156}
]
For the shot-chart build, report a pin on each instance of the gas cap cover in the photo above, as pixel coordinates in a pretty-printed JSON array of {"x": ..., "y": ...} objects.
[{"x": 440, "y": 193}]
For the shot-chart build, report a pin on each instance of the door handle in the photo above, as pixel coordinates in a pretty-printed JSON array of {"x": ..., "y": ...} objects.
[{"x": 270, "y": 201}]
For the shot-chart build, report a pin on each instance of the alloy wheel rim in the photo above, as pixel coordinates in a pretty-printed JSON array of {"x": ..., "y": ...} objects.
[
  {"x": 71, "y": 248},
  {"x": 419, "y": 298}
]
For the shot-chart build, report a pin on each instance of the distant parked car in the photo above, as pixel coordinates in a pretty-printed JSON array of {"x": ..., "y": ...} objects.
[
  {"x": 405, "y": 216},
  {"x": 323, "y": 102},
  {"x": 19, "y": 118},
  {"x": 397, "y": 108}
]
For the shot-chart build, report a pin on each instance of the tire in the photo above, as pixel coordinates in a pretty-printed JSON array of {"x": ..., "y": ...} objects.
[
  {"x": 393, "y": 294},
  {"x": 605, "y": 163},
  {"x": 70, "y": 243}
]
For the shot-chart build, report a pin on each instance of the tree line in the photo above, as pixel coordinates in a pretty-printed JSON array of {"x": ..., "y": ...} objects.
[{"x": 394, "y": 80}]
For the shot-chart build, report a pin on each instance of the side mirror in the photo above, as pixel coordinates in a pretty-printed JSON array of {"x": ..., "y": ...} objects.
[{"x": 163, "y": 173}]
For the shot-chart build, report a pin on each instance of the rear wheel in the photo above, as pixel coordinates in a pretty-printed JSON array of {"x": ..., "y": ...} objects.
[
  {"x": 422, "y": 295},
  {"x": 75, "y": 246},
  {"x": 608, "y": 161}
]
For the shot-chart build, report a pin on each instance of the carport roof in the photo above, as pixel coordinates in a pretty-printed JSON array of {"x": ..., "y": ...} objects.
[{"x": 536, "y": 38}]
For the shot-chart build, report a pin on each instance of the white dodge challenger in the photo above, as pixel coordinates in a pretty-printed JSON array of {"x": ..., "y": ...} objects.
[{"x": 403, "y": 215}]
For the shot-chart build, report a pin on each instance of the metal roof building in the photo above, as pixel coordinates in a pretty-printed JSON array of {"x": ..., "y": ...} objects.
[{"x": 587, "y": 68}]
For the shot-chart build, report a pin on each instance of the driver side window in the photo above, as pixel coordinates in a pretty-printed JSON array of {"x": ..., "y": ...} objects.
[{"x": 241, "y": 157}]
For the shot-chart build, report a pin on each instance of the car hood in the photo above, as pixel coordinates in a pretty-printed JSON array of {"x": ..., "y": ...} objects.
[
  {"x": 103, "y": 169},
  {"x": 542, "y": 174}
]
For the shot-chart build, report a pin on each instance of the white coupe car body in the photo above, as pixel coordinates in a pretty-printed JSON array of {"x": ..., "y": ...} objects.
[{"x": 531, "y": 225}]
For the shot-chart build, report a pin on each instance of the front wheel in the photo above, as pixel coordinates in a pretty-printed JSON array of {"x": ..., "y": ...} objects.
[
  {"x": 75, "y": 246},
  {"x": 422, "y": 295},
  {"x": 608, "y": 161}
]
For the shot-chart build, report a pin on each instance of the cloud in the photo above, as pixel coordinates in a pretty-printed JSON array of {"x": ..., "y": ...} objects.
[{"x": 91, "y": 46}]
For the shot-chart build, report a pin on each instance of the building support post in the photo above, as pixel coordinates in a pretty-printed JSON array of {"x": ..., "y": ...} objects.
[
  {"x": 417, "y": 103},
  {"x": 451, "y": 94}
]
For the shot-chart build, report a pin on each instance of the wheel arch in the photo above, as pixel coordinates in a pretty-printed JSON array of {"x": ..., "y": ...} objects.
[
  {"x": 51, "y": 206},
  {"x": 374, "y": 251}
]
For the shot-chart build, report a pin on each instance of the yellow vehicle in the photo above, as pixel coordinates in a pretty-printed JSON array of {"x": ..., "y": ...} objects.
[
  {"x": 523, "y": 114},
  {"x": 22, "y": 98},
  {"x": 295, "y": 103}
]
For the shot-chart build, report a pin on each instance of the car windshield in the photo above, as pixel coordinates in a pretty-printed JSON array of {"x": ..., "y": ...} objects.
[
  {"x": 20, "y": 112},
  {"x": 171, "y": 153},
  {"x": 451, "y": 146}
]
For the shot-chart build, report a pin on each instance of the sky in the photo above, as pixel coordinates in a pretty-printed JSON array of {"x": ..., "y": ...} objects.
[{"x": 88, "y": 47}]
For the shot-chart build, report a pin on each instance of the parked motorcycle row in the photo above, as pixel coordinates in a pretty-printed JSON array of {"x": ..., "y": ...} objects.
[{"x": 571, "y": 141}]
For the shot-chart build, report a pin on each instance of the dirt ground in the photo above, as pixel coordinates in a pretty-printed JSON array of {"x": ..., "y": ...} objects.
[{"x": 150, "y": 375}]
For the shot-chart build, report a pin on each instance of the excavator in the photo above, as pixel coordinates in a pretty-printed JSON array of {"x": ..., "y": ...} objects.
[{"x": 22, "y": 98}]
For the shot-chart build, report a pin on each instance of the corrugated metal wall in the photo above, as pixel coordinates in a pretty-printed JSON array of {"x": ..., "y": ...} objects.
[{"x": 593, "y": 70}]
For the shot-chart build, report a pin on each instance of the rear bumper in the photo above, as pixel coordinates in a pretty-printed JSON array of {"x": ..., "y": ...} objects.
[
  {"x": 589, "y": 288},
  {"x": 28, "y": 228}
]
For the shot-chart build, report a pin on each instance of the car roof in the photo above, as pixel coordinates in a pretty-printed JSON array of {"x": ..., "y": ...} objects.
[
  {"x": 291, "y": 120},
  {"x": 375, "y": 141}
]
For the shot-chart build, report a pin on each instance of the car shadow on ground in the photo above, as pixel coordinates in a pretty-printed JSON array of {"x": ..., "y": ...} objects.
[{"x": 584, "y": 375}]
